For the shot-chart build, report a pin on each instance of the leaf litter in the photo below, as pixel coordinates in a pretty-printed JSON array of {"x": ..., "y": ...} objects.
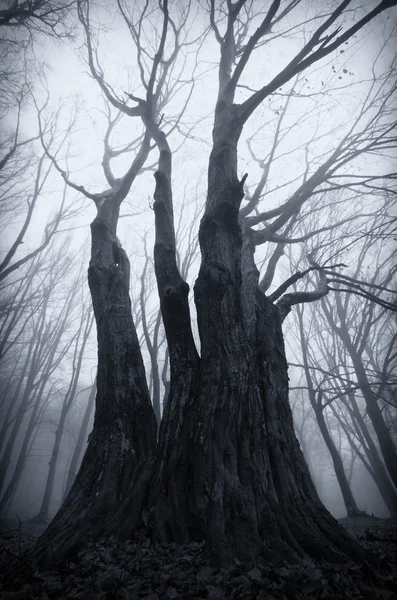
[{"x": 143, "y": 571}]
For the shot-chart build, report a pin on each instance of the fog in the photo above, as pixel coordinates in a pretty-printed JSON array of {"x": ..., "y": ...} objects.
[{"x": 341, "y": 350}]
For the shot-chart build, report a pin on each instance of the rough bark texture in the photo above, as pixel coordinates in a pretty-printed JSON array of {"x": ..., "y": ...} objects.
[
  {"x": 230, "y": 469},
  {"x": 166, "y": 502},
  {"x": 72, "y": 470},
  {"x": 113, "y": 477}
]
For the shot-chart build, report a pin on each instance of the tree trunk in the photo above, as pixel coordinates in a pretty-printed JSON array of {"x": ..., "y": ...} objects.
[
  {"x": 43, "y": 513},
  {"x": 113, "y": 478},
  {"x": 23, "y": 453},
  {"x": 348, "y": 498},
  {"x": 385, "y": 440},
  {"x": 315, "y": 399},
  {"x": 26, "y": 379},
  {"x": 383, "y": 434},
  {"x": 72, "y": 470},
  {"x": 230, "y": 469},
  {"x": 381, "y": 478}
]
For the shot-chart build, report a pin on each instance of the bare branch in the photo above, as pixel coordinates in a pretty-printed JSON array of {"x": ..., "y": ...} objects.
[{"x": 308, "y": 55}]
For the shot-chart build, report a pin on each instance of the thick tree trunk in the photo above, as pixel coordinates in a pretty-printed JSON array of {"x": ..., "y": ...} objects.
[
  {"x": 230, "y": 469},
  {"x": 168, "y": 500},
  {"x": 111, "y": 484}
]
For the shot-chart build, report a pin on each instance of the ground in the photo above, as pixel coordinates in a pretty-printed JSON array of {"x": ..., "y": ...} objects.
[{"x": 136, "y": 571}]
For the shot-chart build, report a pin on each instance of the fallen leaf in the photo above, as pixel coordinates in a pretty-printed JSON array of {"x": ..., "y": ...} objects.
[{"x": 204, "y": 574}]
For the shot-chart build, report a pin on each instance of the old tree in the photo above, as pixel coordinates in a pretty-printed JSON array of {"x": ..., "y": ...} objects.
[{"x": 225, "y": 465}]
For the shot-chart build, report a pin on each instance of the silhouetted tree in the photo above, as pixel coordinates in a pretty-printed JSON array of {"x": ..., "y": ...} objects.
[{"x": 227, "y": 467}]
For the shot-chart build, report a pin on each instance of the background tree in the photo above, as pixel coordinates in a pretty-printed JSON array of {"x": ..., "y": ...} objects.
[
  {"x": 319, "y": 402},
  {"x": 326, "y": 358},
  {"x": 78, "y": 449},
  {"x": 37, "y": 363},
  {"x": 79, "y": 342}
]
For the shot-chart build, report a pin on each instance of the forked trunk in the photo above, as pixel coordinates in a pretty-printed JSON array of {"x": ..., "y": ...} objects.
[
  {"x": 231, "y": 470},
  {"x": 228, "y": 468}
]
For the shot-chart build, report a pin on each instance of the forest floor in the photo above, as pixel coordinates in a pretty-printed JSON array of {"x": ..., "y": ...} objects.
[{"x": 134, "y": 571}]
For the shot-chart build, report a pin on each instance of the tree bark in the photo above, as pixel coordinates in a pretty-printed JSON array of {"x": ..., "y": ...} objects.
[
  {"x": 74, "y": 463},
  {"x": 230, "y": 469},
  {"x": 111, "y": 485}
]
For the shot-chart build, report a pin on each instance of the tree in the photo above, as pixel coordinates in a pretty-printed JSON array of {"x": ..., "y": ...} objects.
[
  {"x": 332, "y": 387},
  {"x": 332, "y": 384},
  {"x": 80, "y": 341},
  {"x": 46, "y": 349},
  {"x": 319, "y": 404},
  {"x": 227, "y": 467},
  {"x": 32, "y": 18},
  {"x": 357, "y": 346},
  {"x": 23, "y": 174},
  {"x": 78, "y": 449}
]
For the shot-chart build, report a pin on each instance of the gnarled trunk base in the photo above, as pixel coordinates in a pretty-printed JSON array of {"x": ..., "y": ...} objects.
[
  {"x": 111, "y": 486},
  {"x": 234, "y": 473}
]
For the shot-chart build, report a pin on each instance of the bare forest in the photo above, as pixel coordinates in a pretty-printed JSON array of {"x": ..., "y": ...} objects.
[{"x": 198, "y": 301}]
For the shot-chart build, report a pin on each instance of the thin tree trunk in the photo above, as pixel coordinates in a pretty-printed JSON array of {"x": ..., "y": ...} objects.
[
  {"x": 43, "y": 514},
  {"x": 80, "y": 344},
  {"x": 385, "y": 440},
  {"x": 374, "y": 413},
  {"x": 385, "y": 486},
  {"x": 23, "y": 453},
  {"x": 30, "y": 368},
  {"x": 348, "y": 498},
  {"x": 74, "y": 463},
  {"x": 315, "y": 400}
]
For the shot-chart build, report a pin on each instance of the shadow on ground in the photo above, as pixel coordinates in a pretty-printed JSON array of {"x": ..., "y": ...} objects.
[{"x": 133, "y": 571}]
